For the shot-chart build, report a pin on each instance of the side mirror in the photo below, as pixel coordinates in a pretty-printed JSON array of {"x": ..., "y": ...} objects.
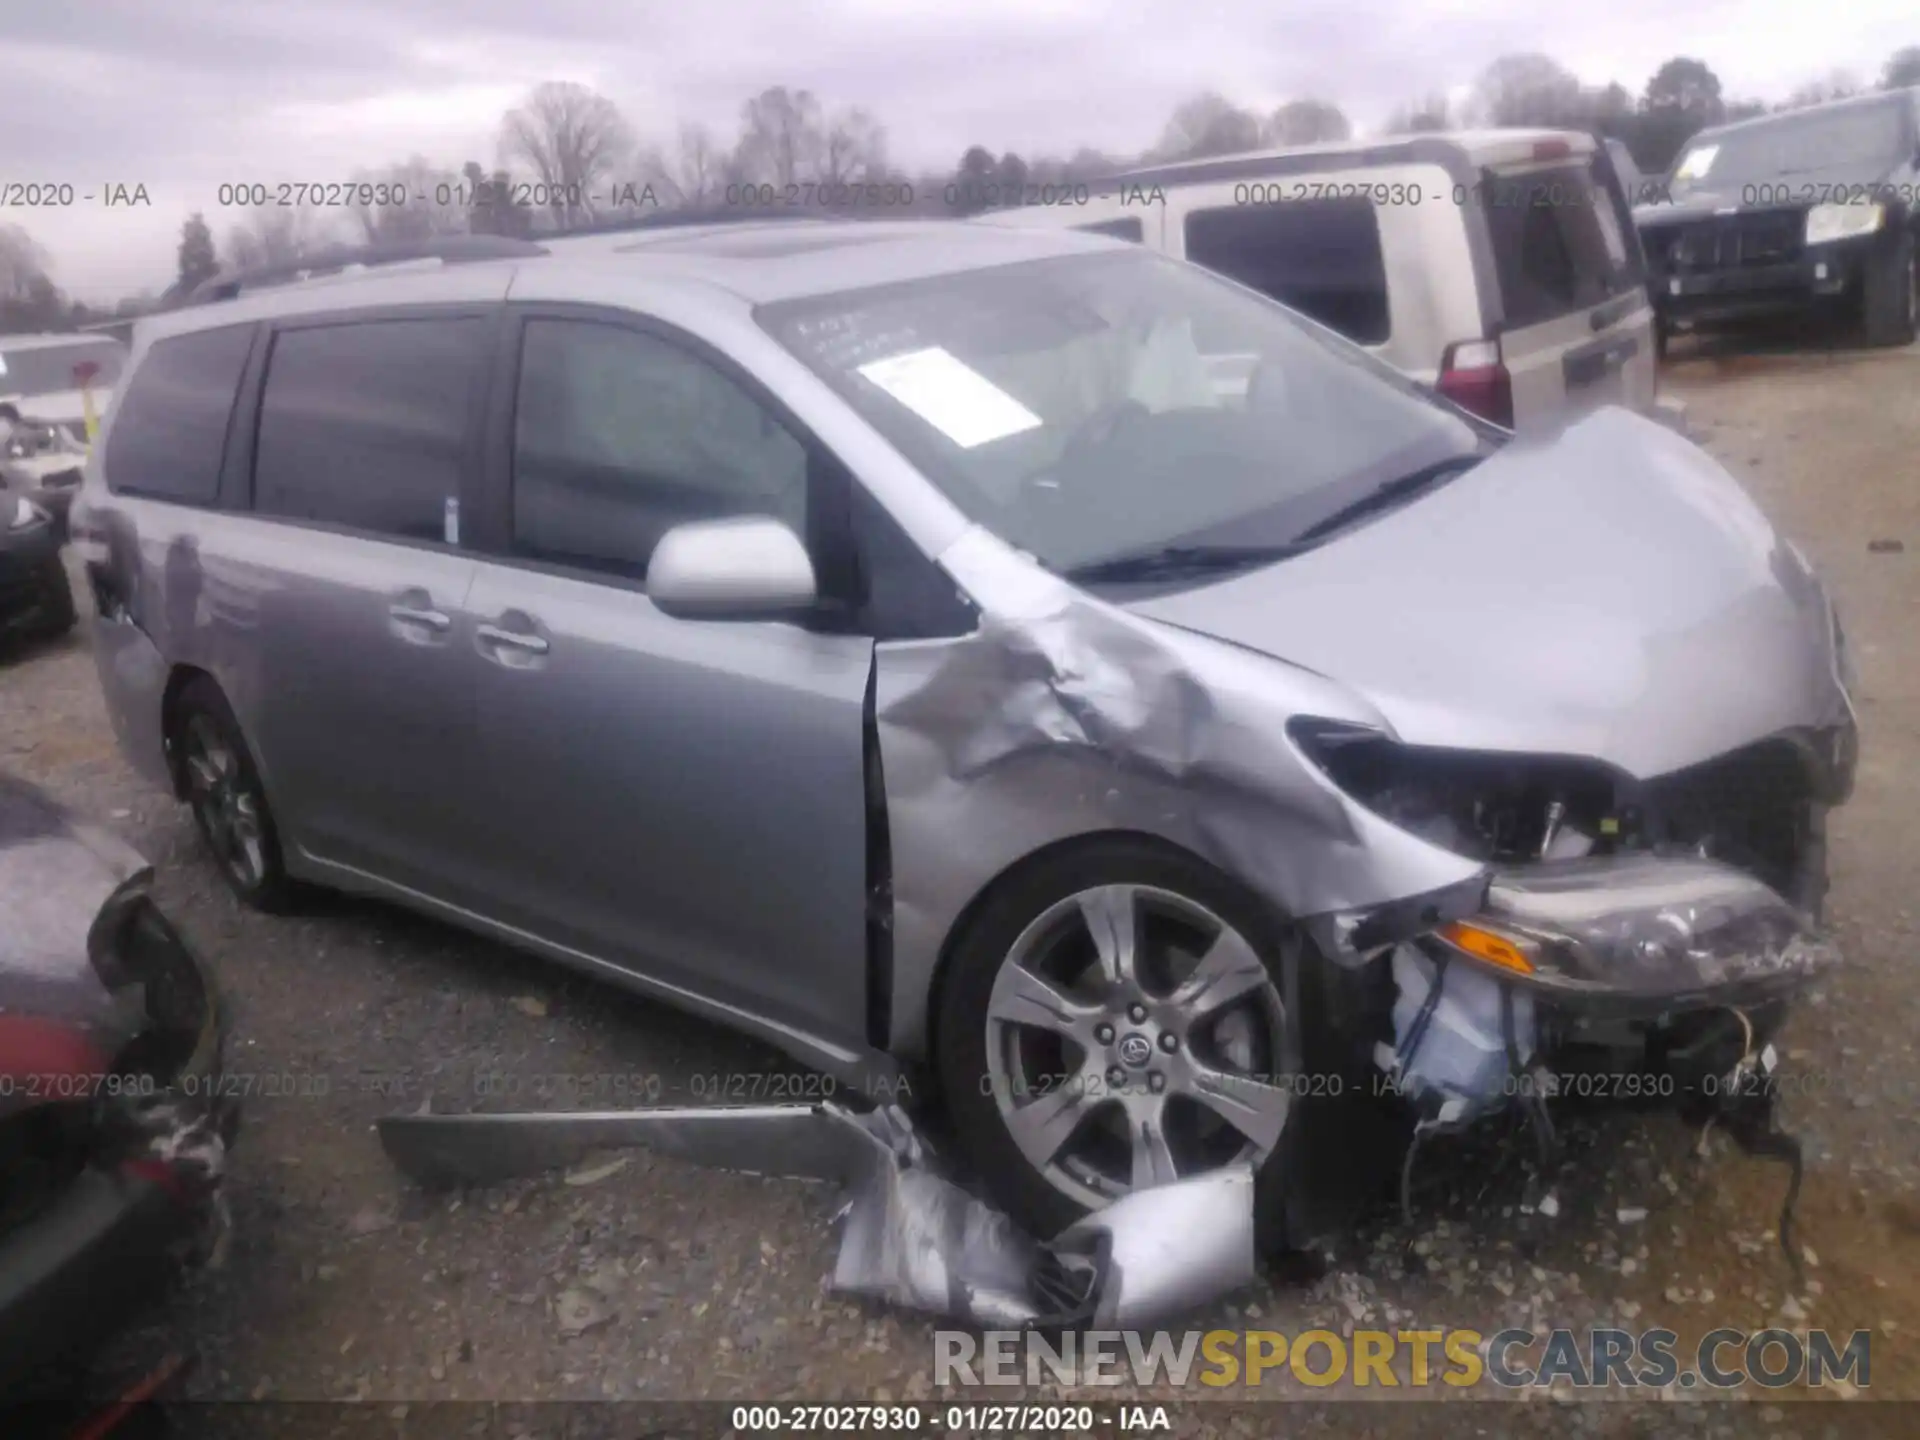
[{"x": 749, "y": 568}]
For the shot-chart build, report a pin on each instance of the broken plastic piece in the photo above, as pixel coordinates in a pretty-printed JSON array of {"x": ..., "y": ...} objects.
[
  {"x": 910, "y": 1234},
  {"x": 1169, "y": 1249}
]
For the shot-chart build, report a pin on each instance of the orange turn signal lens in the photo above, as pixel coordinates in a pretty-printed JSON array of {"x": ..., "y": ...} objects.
[{"x": 1486, "y": 945}]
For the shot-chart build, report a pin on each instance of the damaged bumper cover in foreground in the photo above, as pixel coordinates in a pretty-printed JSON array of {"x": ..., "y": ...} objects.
[
  {"x": 113, "y": 1126},
  {"x": 909, "y": 1233}
]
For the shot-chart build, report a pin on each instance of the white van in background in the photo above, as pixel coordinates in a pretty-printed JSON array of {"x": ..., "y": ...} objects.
[{"x": 1500, "y": 267}]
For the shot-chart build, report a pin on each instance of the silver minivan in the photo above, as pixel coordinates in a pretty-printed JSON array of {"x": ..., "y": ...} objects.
[
  {"x": 1500, "y": 267},
  {"x": 1008, "y": 662}
]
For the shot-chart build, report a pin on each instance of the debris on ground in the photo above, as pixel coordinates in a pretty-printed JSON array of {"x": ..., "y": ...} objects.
[{"x": 910, "y": 1232}]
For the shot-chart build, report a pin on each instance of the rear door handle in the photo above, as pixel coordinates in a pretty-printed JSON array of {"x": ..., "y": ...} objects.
[{"x": 494, "y": 636}]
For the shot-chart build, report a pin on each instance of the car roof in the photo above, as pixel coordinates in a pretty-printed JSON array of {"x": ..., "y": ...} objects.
[
  {"x": 739, "y": 264},
  {"x": 1476, "y": 147}
]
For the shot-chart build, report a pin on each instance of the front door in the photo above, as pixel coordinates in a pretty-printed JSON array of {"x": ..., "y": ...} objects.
[{"x": 682, "y": 798}]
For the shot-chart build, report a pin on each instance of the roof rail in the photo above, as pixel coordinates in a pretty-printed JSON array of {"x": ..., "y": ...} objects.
[
  {"x": 449, "y": 249},
  {"x": 703, "y": 215}
]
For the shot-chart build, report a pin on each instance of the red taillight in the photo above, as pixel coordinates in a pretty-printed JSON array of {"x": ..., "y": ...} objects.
[
  {"x": 1473, "y": 376},
  {"x": 1551, "y": 150},
  {"x": 57, "y": 1058},
  {"x": 162, "y": 1173}
]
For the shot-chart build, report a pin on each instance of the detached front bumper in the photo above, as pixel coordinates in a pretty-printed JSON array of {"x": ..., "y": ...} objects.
[{"x": 147, "y": 1200}]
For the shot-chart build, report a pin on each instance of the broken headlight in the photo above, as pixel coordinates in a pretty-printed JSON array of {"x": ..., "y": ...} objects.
[
  {"x": 1640, "y": 928},
  {"x": 1482, "y": 805}
]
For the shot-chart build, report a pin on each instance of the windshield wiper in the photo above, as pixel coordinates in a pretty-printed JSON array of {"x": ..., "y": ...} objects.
[
  {"x": 1168, "y": 562},
  {"x": 1385, "y": 497}
]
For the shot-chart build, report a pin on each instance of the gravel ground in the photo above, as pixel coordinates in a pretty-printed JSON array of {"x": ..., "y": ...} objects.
[{"x": 658, "y": 1280}]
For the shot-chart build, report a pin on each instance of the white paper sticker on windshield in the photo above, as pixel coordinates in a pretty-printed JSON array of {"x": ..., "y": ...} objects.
[
  {"x": 1697, "y": 163},
  {"x": 3, "y": 364},
  {"x": 951, "y": 396}
]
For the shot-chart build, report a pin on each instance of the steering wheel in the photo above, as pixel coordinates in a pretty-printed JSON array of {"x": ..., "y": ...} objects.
[{"x": 1101, "y": 428}]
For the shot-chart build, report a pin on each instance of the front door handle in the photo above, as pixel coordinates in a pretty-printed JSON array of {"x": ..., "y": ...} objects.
[
  {"x": 437, "y": 621},
  {"x": 493, "y": 635}
]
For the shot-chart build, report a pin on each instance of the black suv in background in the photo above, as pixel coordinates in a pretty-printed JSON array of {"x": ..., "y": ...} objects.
[{"x": 1816, "y": 210}]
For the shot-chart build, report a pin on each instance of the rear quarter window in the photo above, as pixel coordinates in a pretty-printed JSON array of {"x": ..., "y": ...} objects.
[
  {"x": 1319, "y": 256},
  {"x": 168, "y": 439}
]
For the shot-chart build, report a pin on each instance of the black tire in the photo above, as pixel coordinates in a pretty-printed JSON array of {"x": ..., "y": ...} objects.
[
  {"x": 1890, "y": 296},
  {"x": 961, "y": 1029},
  {"x": 201, "y": 714},
  {"x": 58, "y": 606}
]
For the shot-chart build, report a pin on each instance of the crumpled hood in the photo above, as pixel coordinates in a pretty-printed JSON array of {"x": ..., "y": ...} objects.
[
  {"x": 55, "y": 874},
  {"x": 1612, "y": 592}
]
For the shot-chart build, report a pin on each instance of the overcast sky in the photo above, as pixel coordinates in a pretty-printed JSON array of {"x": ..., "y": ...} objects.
[{"x": 180, "y": 95}]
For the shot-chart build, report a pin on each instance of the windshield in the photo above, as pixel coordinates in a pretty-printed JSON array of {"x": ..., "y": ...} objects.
[
  {"x": 1100, "y": 405},
  {"x": 44, "y": 369},
  {"x": 1855, "y": 136}
]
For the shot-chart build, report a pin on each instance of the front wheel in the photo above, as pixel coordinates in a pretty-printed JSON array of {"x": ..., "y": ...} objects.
[{"x": 1115, "y": 1020}]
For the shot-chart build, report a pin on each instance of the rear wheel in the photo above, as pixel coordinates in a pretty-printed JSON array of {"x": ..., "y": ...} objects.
[
  {"x": 229, "y": 804},
  {"x": 1890, "y": 299},
  {"x": 1115, "y": 1020}
]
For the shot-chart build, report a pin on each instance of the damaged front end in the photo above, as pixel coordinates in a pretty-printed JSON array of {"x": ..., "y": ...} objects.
[{"x": 1639, "y": 978}]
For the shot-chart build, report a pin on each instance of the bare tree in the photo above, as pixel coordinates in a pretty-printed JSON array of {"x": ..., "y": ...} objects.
[
  {"x": 278, "y": 235},
  {"x": 412, "y": 200},
  {"x": 783, "y": 139},
  {"x": 1530, "y": 89},
  {"x": 1306, "y": 122},
  {"x": 695, "y": 178},
  {"x": 29, "y": 300},
  {"x": 1834, "y": 85},
  {"x": 23, "y": 263},
  {"x": 574, "y": 140},
  {"x": 856, "y": 149},
  {"x": 1208, "y": 124},
  {"x": 1421, "y": 116},
  {"x": 1903, "y": 69}
]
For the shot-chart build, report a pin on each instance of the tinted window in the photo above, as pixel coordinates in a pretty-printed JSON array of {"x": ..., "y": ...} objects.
[
  {"x": 1128, "y": 228},
  {"x": 364, "y": 424},
  {"x": 169, "y": 432},
  {"x": 1322, "y": 257},
  {"x": 620, "y": 435},
  {"x": 1559, "y": 244}
]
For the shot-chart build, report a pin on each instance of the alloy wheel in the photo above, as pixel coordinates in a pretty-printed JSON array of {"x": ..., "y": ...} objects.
[
  {"x": 225, "y": 803},
  {"x": 1135, "y": 1038}
]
